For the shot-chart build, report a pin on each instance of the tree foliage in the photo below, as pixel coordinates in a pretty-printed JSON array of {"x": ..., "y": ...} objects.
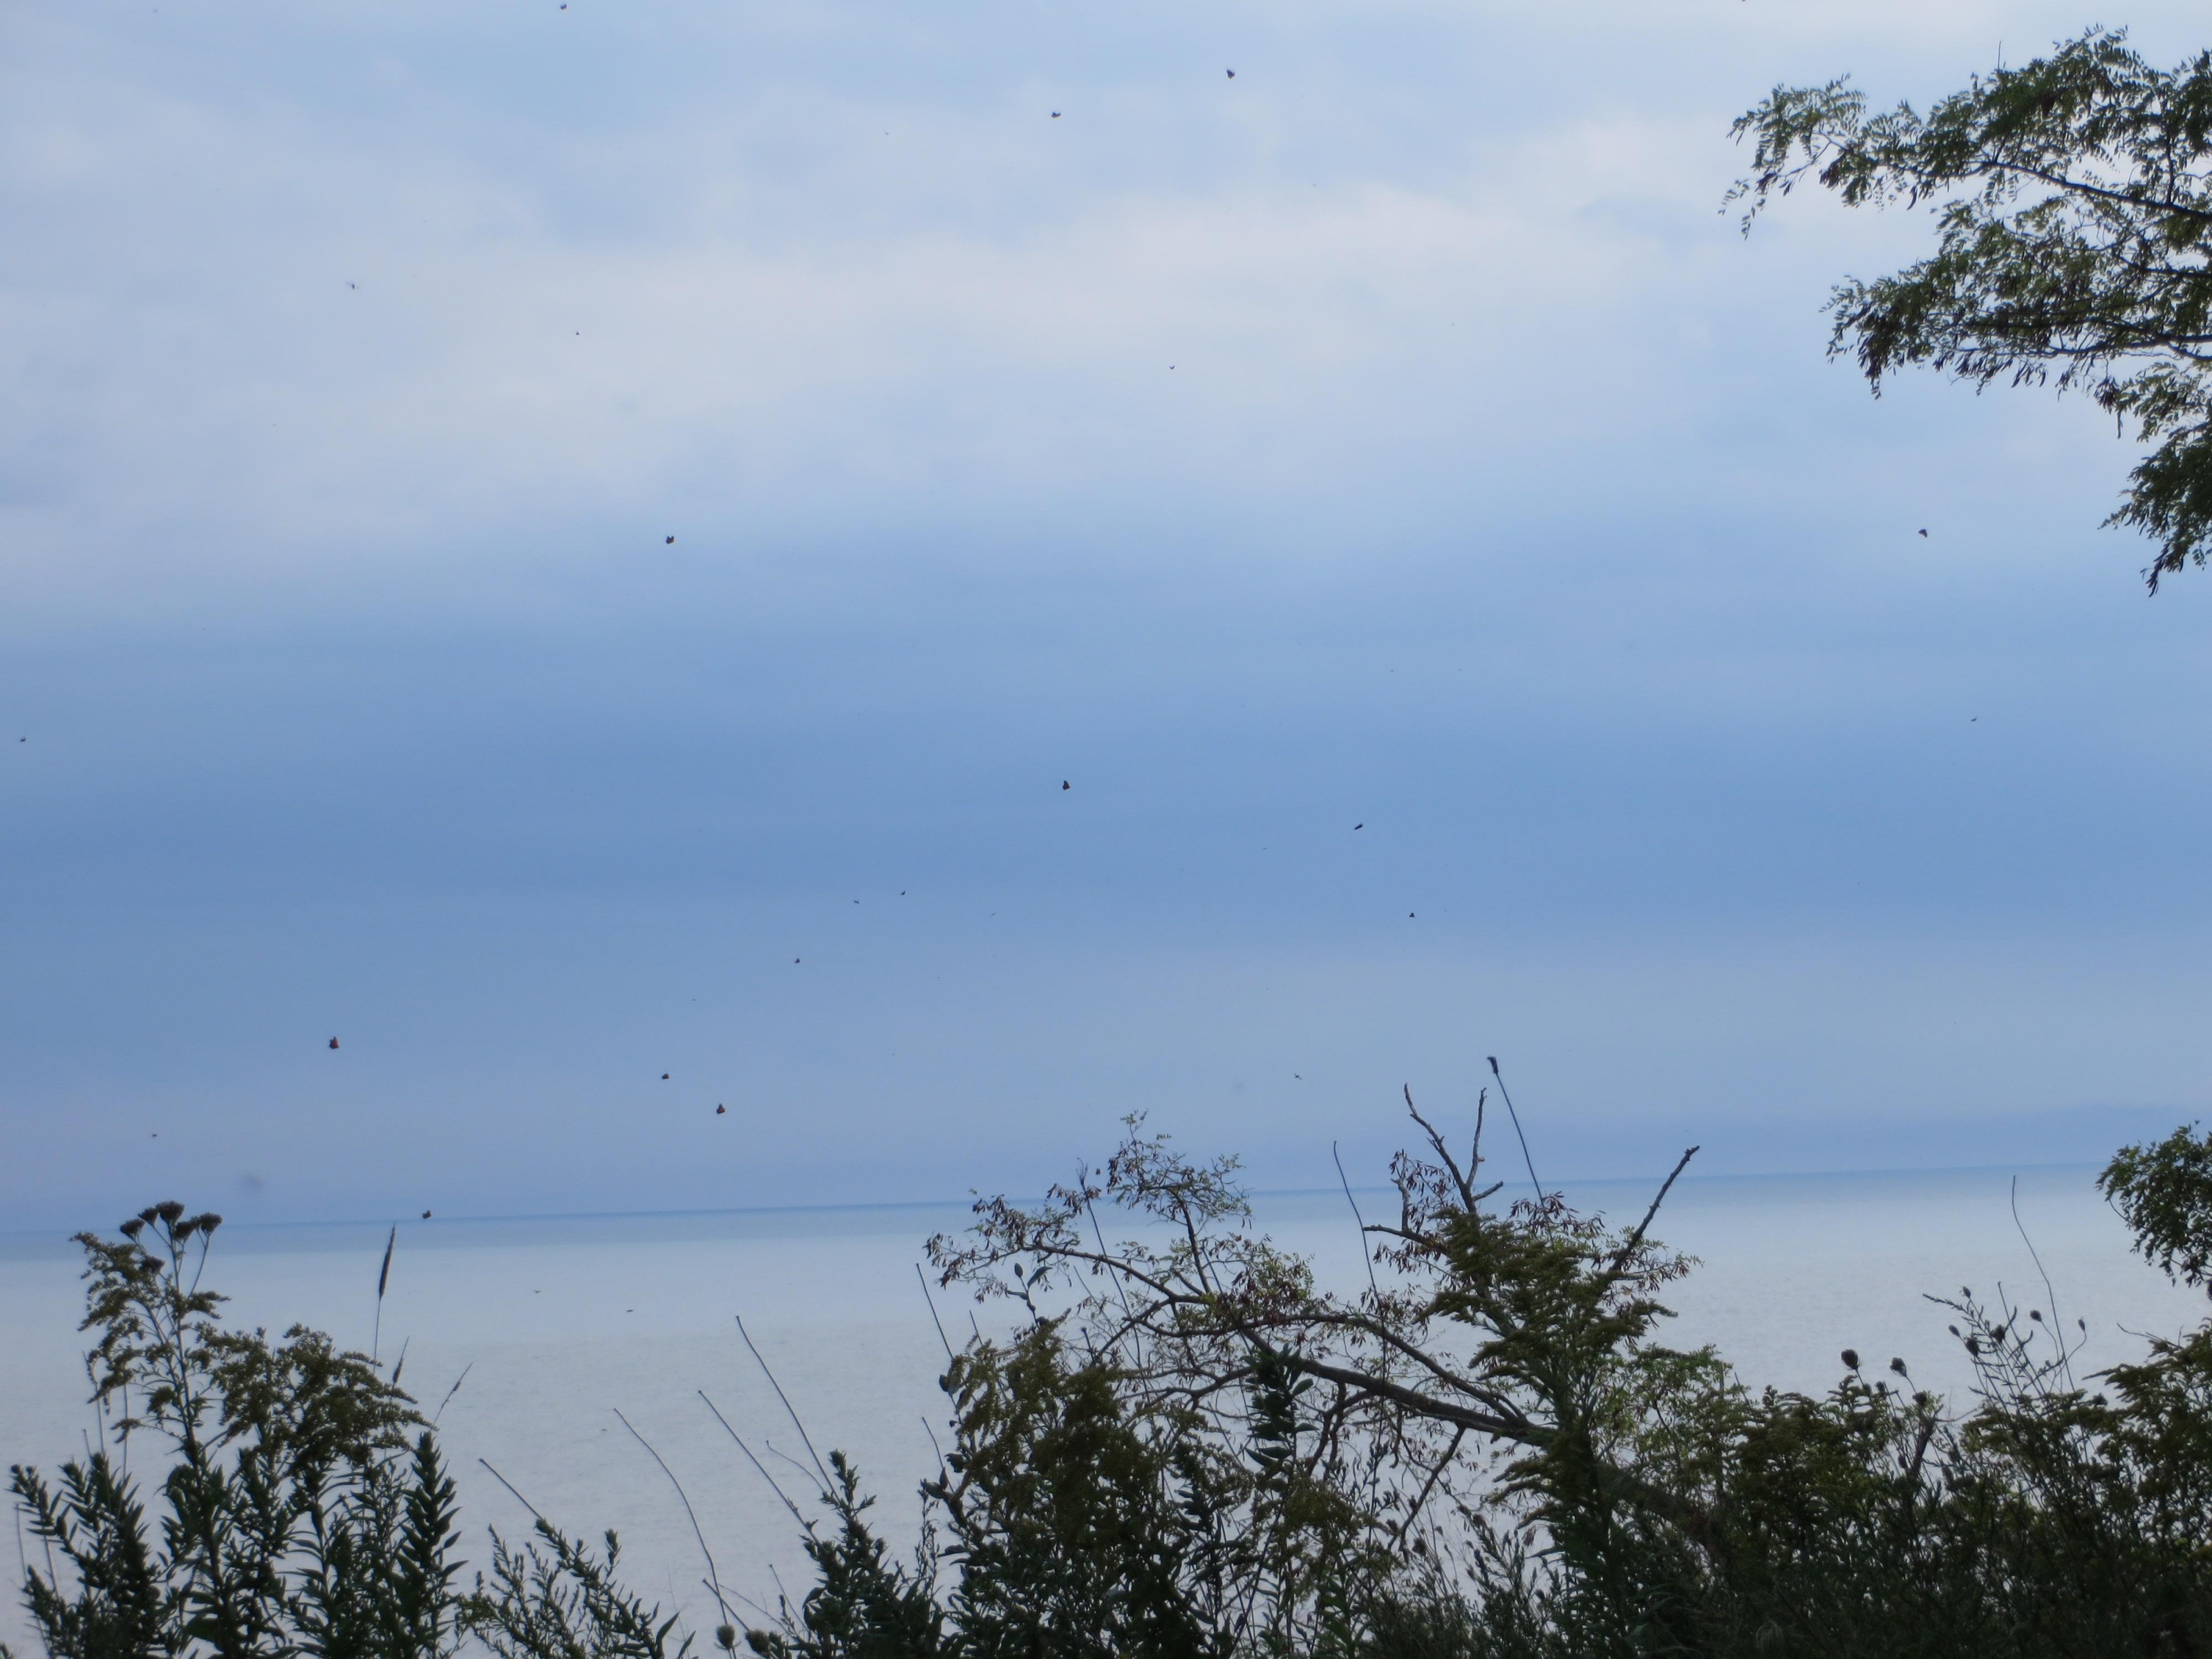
[
  {"x": 302, "y": 1508},
  {"x": 1180, "y": 1443},
  {"x": 2164, "y": 1193},
  {"x": 553, "y": 1598},
  {"x": 2073, "y": 198},
  {"x": 1504, "y": 1457}
]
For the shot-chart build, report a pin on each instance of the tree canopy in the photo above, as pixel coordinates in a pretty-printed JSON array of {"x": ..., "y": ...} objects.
[
  {"x": 2074, "y": 213},
  {"x": 1181, "y": 1443}
]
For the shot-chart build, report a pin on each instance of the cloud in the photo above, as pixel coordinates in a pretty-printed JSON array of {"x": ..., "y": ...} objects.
[
  {"x": 281, "y": 324},
  {"x": 357, "y": 363}
]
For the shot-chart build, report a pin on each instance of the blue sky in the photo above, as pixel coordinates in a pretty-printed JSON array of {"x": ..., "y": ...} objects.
[{"x": 1397, "y": 434}]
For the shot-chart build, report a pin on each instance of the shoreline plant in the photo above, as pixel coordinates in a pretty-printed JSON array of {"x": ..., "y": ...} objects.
[{"x": 1183, "y": 1443}]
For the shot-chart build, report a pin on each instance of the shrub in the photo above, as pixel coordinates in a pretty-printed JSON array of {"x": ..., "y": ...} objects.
[{"x": 1185, "y": 1447}]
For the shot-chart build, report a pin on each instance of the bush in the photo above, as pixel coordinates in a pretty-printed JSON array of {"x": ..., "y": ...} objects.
[
  {"x": 1188, "y": 1447},
  {"x": 304, "y": 1508}
]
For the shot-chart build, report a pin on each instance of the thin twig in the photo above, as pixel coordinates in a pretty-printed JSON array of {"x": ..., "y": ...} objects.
[
  {"x": 765, "y": 1612},
  {"x": 923, "y": 1280},
  {"x": 1517, "y": 1135},
  {"x": 1365, "y": 1254},
  {"x": 1430, "y": 1485},
  {"x": 2065, "y": 1359},
  {"x": 518, "y": 1496},
  {"x": 1919, "y": 1457},
  {"x": 787, "y": 1406},
  {"x": 713, "y": 1578},
  {"x": 1099, "y": 1232},
  {"x": 757, "y": 1463},
  {"x": 1628, "y": 1245},
  {"x": 787, "y": 1457},
  {"x": 1451, "y": 1165}
]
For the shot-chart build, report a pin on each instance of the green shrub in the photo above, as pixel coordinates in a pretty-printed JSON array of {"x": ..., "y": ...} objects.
[{"x": 1185, "y": 1447}]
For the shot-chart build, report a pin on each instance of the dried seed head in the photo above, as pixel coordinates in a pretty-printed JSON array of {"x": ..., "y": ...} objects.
[{"x": 1850, "y": 1359}]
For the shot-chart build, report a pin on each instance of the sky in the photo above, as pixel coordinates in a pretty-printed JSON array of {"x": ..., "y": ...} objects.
[{"x": 943, "y": 576}]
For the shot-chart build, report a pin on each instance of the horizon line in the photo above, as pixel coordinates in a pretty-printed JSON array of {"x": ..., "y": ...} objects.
[{"x": 889, "y": 1205}]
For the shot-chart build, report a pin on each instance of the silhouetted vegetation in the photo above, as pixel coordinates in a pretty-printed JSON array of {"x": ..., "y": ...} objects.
[
  {"x": 2074, "y": 197},
  {"x": 1181, "y": 1444}
]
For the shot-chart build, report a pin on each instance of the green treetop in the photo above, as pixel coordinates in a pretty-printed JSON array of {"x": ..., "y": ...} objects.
[{"x": 2074, "y": 213}]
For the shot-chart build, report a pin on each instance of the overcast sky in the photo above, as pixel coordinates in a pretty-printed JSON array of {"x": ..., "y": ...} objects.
[{"x": 1468, "y": 613}]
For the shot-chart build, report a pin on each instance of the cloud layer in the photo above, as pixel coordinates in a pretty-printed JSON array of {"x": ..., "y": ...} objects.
[{"x": 1395, "y": 433}]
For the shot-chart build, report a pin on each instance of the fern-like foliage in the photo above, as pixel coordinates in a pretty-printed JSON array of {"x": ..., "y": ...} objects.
[{"x": 2073, "y": 200}]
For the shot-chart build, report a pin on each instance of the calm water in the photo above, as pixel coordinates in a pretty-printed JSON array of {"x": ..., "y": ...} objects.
[{"x": 554, "y": 1324}]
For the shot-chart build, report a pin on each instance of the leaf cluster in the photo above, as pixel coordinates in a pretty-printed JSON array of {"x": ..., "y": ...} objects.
[
  {"x": 300, "y": 1508},
  {"x": 1494, "y": 1453},
  {"x": 303, "y": 1508},
  {"x": 555, "y": 1598},
  {"x": 2073, "y": 201},
  {"x": 1183, "y": 1444},
  {"x": 2164, "y": 1193}
]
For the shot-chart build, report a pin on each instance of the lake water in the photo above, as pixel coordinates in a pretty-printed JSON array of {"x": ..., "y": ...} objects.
[{"x": 555, "y": 1324}]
